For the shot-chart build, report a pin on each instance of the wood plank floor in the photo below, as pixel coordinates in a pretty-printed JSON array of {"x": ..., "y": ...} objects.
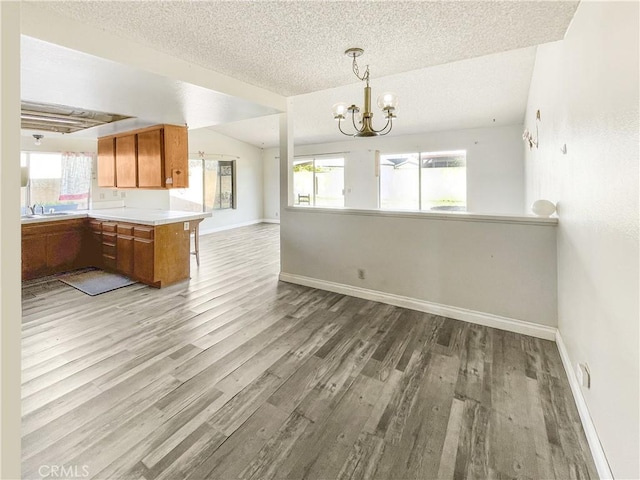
[{"x": 236, "y": 375}]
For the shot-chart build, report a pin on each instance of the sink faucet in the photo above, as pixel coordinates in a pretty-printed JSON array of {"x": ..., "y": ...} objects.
[{"x": 35, "y": 207}]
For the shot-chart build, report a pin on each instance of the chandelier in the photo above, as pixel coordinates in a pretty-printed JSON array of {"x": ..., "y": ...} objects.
[{"x": 387, "y": 102}]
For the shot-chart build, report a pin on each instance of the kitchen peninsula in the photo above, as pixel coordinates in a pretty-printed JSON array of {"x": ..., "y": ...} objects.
[{"x": 150, "y": 246}]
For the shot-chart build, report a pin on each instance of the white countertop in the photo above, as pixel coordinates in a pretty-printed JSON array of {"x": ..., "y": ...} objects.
[
  {"x": 146, "y": 216},
  {"x": 134, "y": 215}
]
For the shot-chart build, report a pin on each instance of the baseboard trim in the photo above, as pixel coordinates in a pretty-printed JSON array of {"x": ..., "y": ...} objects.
[
  {"x": 599, "y": 457},
  {"x": 471, "y": 316},
  {"x": 270, "y": 220},
  {"x": 205, "y": 231}
]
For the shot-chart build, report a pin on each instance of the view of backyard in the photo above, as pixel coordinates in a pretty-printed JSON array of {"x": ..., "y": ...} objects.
[
  {"x": 319, "y": 182},
  {"x": 414, "y": 181}
]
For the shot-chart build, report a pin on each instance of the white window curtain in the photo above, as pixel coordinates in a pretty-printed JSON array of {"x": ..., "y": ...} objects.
[{"x": 76, "y": 176}]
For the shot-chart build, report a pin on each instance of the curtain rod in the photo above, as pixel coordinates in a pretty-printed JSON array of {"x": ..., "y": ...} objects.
[
  {"x": 318, "y": 155},
  {"x": 202, "y": 155}
]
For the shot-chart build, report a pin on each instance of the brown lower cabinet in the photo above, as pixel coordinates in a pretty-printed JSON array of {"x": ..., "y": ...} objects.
[
  {"x": 143, "y": 251},
  {"x": 154, "y": 255},
  {"x": 53, "y": 247}
]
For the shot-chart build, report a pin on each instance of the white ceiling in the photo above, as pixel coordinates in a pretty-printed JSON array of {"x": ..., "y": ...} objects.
[
  {"x": 295, "y": 47},
  {"x": 470, "y": 62}
]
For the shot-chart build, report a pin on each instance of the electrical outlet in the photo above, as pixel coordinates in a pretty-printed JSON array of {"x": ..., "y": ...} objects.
[
  {"x": 115, "y": 193},
  {"x": 123, "y": 194},
  {"x": 584, "y": 375},
  {"x": 361, "y": 273},
  {"x": 277, "y": 214},
  {"x": 186, "y": 225},
  {"x": 102, "y": 196}
]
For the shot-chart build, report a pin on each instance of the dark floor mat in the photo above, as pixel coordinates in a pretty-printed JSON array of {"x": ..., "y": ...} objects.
[{"x": 95, "y": 282}]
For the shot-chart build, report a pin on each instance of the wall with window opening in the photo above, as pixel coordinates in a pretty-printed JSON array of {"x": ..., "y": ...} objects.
[{"x": 475, "y": 170}]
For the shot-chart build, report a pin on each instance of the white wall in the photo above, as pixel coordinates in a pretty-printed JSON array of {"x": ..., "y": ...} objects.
[
  {"x": 586, "y": 88},
  {"x": 504, "y": 269},
  {"x": 495, "y": 166},
  {"x": 10, "y": 308},
  {"x": 249, "y": 180},
  {"x": 460, "y": 264},
  {"x": 58, "y": 143},
  {"x": 360, "y": 181},
  {"x": 271, "y": 182}
]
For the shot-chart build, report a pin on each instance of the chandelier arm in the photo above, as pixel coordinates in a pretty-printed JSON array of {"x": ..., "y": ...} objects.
[
  {"x": 342, "y": 131},
  {"x": 390, "y": 126},
  {"x": 384, "y": 128},
  {"x": 353, "y": 119}
]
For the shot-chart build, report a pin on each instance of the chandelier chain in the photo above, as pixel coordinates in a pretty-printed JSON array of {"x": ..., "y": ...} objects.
[{"x": 356, "y": 71}]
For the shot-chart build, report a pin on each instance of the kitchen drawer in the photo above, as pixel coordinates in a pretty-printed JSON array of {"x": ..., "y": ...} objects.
[
  {"x": 143, "y": 232},
  {"x": 125, "y": 229},
  {"x": 108, "y": 249},
  {"x": 109, "y": 238},
  {"x": 109, "y": 226},
  {"x": 95, "y": 225},
  {"x": 109, "y": 262}
]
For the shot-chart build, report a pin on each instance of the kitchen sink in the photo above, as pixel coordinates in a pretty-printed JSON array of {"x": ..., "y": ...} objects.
[{"x": 46, "y": 215}]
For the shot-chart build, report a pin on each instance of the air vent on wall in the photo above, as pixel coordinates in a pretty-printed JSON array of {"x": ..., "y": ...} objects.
[{"x": 63, "y": 119}]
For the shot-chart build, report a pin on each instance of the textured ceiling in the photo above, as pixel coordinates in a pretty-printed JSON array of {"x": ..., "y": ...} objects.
[
  {"x": 296, "y": 47},
  {"x": 479, "y": 92}
]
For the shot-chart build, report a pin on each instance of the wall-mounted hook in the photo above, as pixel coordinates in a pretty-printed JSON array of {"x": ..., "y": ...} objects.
[{"x": 528, "y": 137}]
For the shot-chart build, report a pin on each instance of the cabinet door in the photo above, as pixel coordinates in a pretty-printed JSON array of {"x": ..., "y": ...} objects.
[
  {"x": 143, "y": 268},
  {"x": 106, "y": 162},
  {"x": 34, "y": 256},
  {"x": 124, "y": 256},
  {"x": 92, "y": 244},
  {"x": 150, "y": 155},
  {"x": 126, "y": 168},
  {"x": 176, "y": 156},
  {"x": 94, "y": 249},
  {"x": 63, "y": 248}
]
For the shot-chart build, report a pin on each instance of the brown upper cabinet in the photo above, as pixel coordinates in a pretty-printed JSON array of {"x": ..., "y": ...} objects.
[
  {"x": 150, "y": 154},
  {"x": 107, "y": 162},
  {"x": 126, "y": 163},
  {"x": 153, "y": 157}
]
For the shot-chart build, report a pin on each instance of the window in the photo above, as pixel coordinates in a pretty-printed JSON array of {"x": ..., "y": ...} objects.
[
  {"x": 212, "y": 186},
  {"x": 318, "y": 181},
  {"x": 424, "y": 181},
  {"x": 222, "y": 185},
  {"x": 443, "y": 183},
  {"x": 399, "y": 182},
  {"x": 57, "y": 181}
]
